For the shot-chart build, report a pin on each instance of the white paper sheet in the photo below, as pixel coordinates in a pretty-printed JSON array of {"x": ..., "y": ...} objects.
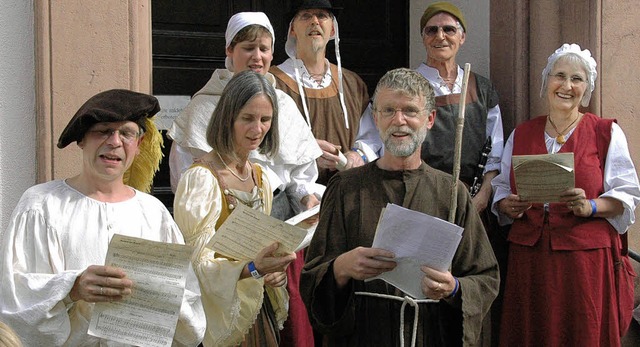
[
  {"x": 416, "y": 239},
  {"x": 170, "y": 108},
  {"x": 149, "y": 316},
  {"x": 246, "y": 232},
  {"x": 302, "y": 221}
]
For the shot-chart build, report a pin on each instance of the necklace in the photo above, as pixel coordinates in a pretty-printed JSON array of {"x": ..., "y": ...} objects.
[
  {"x": 317, "y": 77},
  {"x": 560, "y": 138},
  {"x": 233, "y": 172}
]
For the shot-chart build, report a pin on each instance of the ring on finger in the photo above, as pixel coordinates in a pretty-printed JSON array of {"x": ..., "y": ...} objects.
[{"x": 101, "y": 290}]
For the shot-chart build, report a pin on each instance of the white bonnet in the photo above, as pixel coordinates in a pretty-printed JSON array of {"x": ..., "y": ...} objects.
[
  {"x": 241, "y": 20},
  {"x": 586, "y": 57}
]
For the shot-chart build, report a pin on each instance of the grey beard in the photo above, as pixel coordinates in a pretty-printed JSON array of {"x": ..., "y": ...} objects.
[
  {"x": 403, "y": 149},
  {"x": 317, "y": 46}
]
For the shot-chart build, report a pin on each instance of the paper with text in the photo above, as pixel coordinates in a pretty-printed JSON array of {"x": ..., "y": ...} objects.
[
  {"x": 416, "y": 239},
  {"x": 149, "y": 316},
  {"x": 542, "y": 177},
  {"x": 247, "y": 231}
]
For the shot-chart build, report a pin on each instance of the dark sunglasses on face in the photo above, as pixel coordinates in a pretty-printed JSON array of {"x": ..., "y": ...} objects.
[{"x": 432, "y": 30}]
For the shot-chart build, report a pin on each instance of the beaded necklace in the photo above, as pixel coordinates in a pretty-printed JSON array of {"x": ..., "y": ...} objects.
[{"x": 560, "y": 138}]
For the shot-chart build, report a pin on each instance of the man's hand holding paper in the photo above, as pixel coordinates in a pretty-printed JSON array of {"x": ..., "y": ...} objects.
[
  {"x": 416, "y": 239},
  {"x": 362, "y": 263}
]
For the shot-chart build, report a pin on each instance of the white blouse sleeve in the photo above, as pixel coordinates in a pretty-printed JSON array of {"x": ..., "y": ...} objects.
[
  {"x": 621, "y": 179},
  {"x": 34, "y": 287}
]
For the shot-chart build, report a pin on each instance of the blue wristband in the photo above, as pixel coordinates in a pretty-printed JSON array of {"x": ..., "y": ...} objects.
[
  {"x": 254, "y": 272},
  {"x": 455, "y": 289},
  {"x": 594, "y": 208},
  {"x": 361, "y": 153}
]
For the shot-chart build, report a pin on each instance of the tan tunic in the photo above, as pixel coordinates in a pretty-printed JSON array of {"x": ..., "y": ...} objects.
[{"x": 327, "y": 119}]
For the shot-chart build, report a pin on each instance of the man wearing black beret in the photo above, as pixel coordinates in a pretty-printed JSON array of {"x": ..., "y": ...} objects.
[{"x": 61, "y": 229}]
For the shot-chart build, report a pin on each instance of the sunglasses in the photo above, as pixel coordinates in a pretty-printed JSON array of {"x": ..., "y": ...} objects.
[{"x": 432, "y": 30}]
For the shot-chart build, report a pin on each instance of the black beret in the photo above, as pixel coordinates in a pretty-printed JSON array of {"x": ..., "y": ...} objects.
[{"x": 115, "y": 105}]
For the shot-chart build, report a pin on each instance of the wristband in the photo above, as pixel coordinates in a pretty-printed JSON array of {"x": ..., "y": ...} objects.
[
  {"x": 455, "y": 289},
  {"x": 361, "y": 153},
  {"x": 594, "y": 208},
  {"x": 254, "y": 272}
]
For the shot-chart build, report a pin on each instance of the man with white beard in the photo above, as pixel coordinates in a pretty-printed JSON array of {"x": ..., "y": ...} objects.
[{"x": 330, "y": 97}]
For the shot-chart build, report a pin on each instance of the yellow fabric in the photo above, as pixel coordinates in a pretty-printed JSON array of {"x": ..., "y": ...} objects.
[
  {"x": 225, "y": 204},
  {"x": 231, "y": 306},
  {"x": 147, "y": 162}
]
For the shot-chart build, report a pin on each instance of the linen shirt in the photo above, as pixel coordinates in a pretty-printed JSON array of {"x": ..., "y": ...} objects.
[{"x": 54, "y": 234}]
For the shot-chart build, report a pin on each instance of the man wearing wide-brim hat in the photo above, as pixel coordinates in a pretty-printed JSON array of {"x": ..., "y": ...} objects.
[
  {"x": 60, "y": 230},
  {"x": 331, "y": 98}
]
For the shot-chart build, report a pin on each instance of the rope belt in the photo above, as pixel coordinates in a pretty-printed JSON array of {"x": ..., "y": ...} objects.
[{"x": 405, "y": 300}]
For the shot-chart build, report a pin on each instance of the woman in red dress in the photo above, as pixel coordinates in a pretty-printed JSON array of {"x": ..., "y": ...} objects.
[{"x": 560, "y": 284}]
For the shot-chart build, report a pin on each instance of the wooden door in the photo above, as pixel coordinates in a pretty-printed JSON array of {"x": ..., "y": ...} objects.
[{"x": 188, "y": 44}]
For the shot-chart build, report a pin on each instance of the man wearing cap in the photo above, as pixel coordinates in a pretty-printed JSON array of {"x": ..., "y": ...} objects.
[
  {"x": 443, "y": 33},
  {"x": 60, "y": 230},
  {"x": 331, "y": 98}
]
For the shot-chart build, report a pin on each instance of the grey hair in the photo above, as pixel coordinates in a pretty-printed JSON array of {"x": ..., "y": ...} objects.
[
  {"x": 572, "y": 53},
  {"x": 410, "y": 83},
  {"x": 243, "y": 87}
]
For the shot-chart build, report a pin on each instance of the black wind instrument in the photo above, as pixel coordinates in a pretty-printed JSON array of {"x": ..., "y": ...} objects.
[{"x": 478, "y": 174}]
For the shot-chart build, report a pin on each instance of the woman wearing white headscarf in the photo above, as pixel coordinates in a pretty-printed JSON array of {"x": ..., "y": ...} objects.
[
  {"x": 292, "y": 171},
  {"x": 249, "y": 46},
  {"x": 560, "y": 283}
]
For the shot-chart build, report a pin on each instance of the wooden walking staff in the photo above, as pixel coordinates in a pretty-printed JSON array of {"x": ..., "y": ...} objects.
[{"x": 457, "y": 152}]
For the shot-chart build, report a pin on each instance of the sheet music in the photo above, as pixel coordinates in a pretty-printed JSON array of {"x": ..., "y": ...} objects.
[
  {"x": 247, "y": 231},
  {"x": 416, "y": 239},
  {"x": 148, "y": 317},
  {"x": 542, "y": 178}
]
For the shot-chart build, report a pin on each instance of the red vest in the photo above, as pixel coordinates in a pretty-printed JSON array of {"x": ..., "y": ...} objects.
[{"x": 567, "y": 232}]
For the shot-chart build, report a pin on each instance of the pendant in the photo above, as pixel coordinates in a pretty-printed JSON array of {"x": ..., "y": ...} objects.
[{"x": 560, "y": 139}]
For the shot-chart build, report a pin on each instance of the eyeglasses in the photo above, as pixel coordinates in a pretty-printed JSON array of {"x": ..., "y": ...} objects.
[
  {"x": 562, "y": 78},
  {"x": 432, "y": 30},
  {"x": 307, "y": 16},
  {"x": 127, "y": 136},
  {"x": 388, "y": 112}
]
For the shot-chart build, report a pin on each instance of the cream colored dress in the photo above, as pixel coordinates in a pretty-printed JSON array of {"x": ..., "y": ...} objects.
[{"x": 231, "y": 305}]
